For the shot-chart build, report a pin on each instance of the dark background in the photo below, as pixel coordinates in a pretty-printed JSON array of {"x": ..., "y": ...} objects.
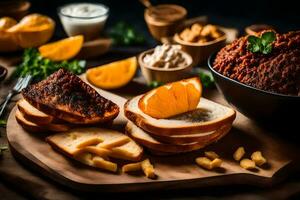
[{"x": 284, "y": 15}]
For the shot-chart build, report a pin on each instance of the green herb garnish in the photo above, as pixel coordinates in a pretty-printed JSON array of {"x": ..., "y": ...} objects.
[
  {"x": 155, "y": 84},
  {"x": 2, "y": 149},
  {"x": 40, "y": 68},
  {"x": 206, "y": 79},
  {"x": 124, "y": 34},
  {"x": 2, "y": 122},
  {"x": 261, "y": 44}
]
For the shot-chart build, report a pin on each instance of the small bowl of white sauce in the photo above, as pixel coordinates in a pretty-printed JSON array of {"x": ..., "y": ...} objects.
[
  {"x": 86, "y": 19},
  {"x": 165, "y": 63}
]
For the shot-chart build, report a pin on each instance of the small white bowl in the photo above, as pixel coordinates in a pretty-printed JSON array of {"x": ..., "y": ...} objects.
[{"x": 88, "y": 26}]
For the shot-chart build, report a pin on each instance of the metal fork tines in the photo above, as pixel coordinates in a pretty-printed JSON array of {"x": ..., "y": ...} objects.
[{"x": 22, "y": 82}]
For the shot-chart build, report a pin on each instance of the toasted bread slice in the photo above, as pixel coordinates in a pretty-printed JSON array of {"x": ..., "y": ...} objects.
[
  {"x": 150, "y": 142},
  {"x": 32, "y": 114},
  {"x": 65, "y": 96},
  {"x": 33, "y": 127},
  {"x": 208, "y": 116},
  {"x": 71, "y": 142}
]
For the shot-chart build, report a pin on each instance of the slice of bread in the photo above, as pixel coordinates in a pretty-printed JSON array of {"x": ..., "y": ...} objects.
[
  {"x": 35, "y": 128},
  {"x": 189, "y": 138},
  {"x": 32, "y": 114},
  {"x": 68, "y": 142},
  {"x": 150, "y": 142},
  {"x": 65, "y": 96},
  {"x": 208, "y": 116}
]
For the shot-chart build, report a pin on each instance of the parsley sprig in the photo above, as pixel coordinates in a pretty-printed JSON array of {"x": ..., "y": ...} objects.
[
  {"x": 261, "y": 44},
  {"x": 206, "y": 79},
  {"x": 124, "y": 34},
  {"x": 33, "y": 63},
  {"x": 2, "y": 122},
  {"x": 155, "y": 84}
]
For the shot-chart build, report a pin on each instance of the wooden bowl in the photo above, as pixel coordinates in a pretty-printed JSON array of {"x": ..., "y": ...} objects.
[
  {"x": 94, "y": 48},
  {"x": 161, "y": 28},
  {"x": 14, "y": 8},
  {"x": 164, "y": 75},
  {"x": 201, "y": 52}
]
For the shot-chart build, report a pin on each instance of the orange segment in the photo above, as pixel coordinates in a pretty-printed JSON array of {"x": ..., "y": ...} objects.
[
  {"x": 33, "y": 30},
  {"x": 193, "y": 94},
  {"x": 63, "y": 49},
  {"x": 7, "y": 42},
  {"x": 113, "y": 75},
  {"x": 6, "y": 23},
  {"x": 172, "y": 99}
]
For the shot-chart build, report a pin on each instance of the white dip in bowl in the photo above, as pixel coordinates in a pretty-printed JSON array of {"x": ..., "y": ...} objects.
[{"x": 86, "y": 19}]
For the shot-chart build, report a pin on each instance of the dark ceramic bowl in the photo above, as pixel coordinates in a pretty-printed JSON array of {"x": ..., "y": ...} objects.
[
  {"x": 3, "y": 72},
  {"x": 268, "y": 108}
]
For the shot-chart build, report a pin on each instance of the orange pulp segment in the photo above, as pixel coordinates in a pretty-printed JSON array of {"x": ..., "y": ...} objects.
[
  {"x": 33, "y": 30},
  {"x": 113, "y": 75},
  {"x": 64, "y": 49},
  {"x": 172, "y": 99}
]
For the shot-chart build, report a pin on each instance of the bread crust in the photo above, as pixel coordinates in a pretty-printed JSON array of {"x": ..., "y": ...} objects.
[
  {"x": 41, "y": 120},
  {"x": 35, "y": 128},
  {"x": 188, "y": 139},
  {"x": 165, "y": 148}
]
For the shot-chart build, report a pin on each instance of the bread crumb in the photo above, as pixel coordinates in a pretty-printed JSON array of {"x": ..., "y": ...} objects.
[
  {"x": 211, "y": 155},
  {"x": 132, "y": 167},
  {"x": 247, "y": 164},
  {"x": 148, "y": 168},
  {"x": 258, "y": 158},
  {"x": 239, "y": 153},
  {"x": 217, "y": 162},
  {"x": 204, "y": 162}
]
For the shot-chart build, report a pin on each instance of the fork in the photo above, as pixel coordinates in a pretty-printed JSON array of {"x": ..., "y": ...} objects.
[{"x": 22, "y": 82}]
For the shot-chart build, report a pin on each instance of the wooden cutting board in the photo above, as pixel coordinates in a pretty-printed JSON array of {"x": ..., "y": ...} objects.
[{"x": 179, "y": 171}]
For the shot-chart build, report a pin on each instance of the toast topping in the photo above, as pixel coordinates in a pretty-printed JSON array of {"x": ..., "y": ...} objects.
[
  {"x": 172, "y": 99},
  {"x": 63, "y": 93}
]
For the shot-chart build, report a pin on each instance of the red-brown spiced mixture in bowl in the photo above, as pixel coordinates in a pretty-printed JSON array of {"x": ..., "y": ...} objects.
[{"x": 277, "y": 72}]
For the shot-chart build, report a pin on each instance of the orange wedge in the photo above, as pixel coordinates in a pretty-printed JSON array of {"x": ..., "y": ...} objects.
[
  {"x": 63, "y": 49},
  {"x": 172, "y": 99},
  {"x": 7, "y": 42},
  {"x": 113, "y": 75},
  {"x": 6, "y": 23},
  {"x": 33, "y": 30}
]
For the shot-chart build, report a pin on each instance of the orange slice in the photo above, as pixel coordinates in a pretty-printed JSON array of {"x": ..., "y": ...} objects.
[
  {"x": 63, "y": 49},
  {"x": 113, "y": 75},
  {"x": 33, "y": 30},
  {"x": 6, "y": 23},
  {"x": 172, "y": 99},
  {"x": 7, "y": 42}
]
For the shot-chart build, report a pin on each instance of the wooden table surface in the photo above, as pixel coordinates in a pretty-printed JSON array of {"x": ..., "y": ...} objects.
[{"x": 18, "y": 182}]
